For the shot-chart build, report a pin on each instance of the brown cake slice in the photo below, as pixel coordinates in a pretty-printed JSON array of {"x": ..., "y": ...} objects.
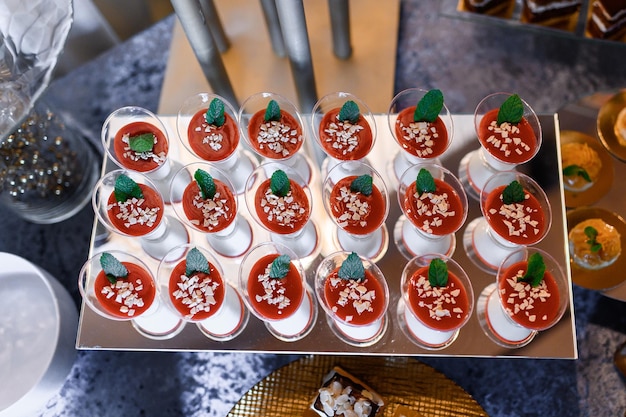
[
  {"x": 549, "y": 12},
  {"x": 489, "y": 7},
  {"x": 607, "y": 19}
]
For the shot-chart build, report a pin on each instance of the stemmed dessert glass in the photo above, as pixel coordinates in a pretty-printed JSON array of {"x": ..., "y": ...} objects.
[
  {"x": 207, "y": 137},
  {"x": 420, "y": 141},
  {"x": 204, "y": 298},
  {"x": 140, "y": 218},
  {"x": 505, "y": 226},
  {"x": 272, "y": 126},
  {"x": 344, "y": 128},
  {"x": 356, "y": 199},
  {"x": 217, "y": 217},
  {"x": 510, "y": 311},
  {"x": 283, "y": 301},
  {"x": 430, "y": 219},
  {"x": 133, "y": 298},
  {"x": 286, "y": 218},
  {"x": 136, "y": 139},
  {"x": 502, "y": 147},
  {"x": 356, "y": 309},
  {"x": 430, "y": 312}
]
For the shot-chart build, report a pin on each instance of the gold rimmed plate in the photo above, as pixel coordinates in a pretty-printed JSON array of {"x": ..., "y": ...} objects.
[
  {"x": 401, "y": 381},
  {"x": 605, "y": 177},
  {"x": 610, "y": 276},
  {"x": 607, "y": 116}
]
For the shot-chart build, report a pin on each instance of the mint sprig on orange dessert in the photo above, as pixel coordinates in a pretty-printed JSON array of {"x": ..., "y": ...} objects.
[
  {"x": 279, "y": 183},
  {"x": 535, "y": 270},
  {"x": 429, "y": 107},
  {"x": 438, "y": 273},
  {"x": 272, "y": 112},
  {"x": 511, "y": 111},
  {"x": 352, "y": 268},
  {"x": 205, "y": 183},
  {"x": 425, "y": 183},
  {"x": 349, "y": 112},
  {"x": 142, "y": 143},
  {"x": 112, "y": 267},
  {"x": 196, "y": 262},
  {"x": 362, "y": 184},
  {"x": 215, "y": 113},
  {"x": 126, "y": 188},
  {"x": 576, "y": 170},
  {"x": 513, "y": 193},
  {"x": 280, "y": 267},
  {"x": 592, "y": 236}
]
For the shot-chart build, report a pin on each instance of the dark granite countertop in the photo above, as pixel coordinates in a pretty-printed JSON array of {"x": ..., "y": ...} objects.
[{"x": 467, "y": 59}]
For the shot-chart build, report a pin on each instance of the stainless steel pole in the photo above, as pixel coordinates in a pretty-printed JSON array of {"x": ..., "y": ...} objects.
[
  {"x": 215, "y": 24},
  {"x": 340, "y": 27},
  {"x": 273, "y": 26}
]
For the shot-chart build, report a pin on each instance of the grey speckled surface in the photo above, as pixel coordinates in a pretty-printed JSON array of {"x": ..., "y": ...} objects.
[{"x": 467, "y": 60}]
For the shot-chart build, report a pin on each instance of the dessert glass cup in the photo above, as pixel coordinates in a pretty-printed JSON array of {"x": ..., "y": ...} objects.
[
  {"x": 372, "y": 244},
  {"x": 403, "y": 159},
  {"x": 169, "y": 232},
  {"x": 258, "y": 103},
  {"x": 477, "y": 166},
  {"x": 238, "y": 163},
  {"x": 410, "y": 238},
  {"x": 484, "y": 245},
  {"x": 335, "y": 101},
  {"x": 416, "y": 329},
  {"x": 160, "y": 175},
  {"x": 232, "y": 241},
  {"x": 305, "y": 240},
  {"x": 491, "y": 308},
  {"x": 360, "y": 335},
  {"x": 156, "y": 322},
  {"x": 227, "y": 321},
  {"x": 300, "y": 322}
]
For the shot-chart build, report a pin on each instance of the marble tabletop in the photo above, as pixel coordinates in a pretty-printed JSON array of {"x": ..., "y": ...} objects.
[{"x": 465, "y": 58}]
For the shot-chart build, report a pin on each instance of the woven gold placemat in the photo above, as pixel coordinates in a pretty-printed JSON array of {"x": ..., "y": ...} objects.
[{"x": 399, "y": 380}]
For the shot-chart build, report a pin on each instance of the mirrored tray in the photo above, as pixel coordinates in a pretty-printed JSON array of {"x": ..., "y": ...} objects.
[{"x": 96, "y": 332}]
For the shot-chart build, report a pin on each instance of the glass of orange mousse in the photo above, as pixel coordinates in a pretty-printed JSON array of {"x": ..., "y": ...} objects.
[
  {"x": 356, "y": 199},
  {"x": 128, "y": 203},
  {"x": 203, "y": 197},
  {"x": 531, "y": 294},
  {"x": 343, "y": 127},
  {"x": 273, "y": 283},
  {"x": 281, "y": 202},
  {"x": 516, "y": 212},
  {"x": 207, "y": 126},
  {"x": 437, "y": 301},
  {"x": 509, "y": 134},
  {"x": 421, "y": 124},
  {"x": 194, "y": 287},
  {"x": 272, "y": 126},
  {"x": 434, "y": 207},
  {"x": 120, "y": 286},
  {"x": 353, "y": 292}
]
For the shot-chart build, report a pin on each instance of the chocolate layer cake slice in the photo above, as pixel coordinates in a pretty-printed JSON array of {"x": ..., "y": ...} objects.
[
  {"x": 607, "y": 19},
  {"x": 490, "y": 7},
  {"x": 549, "y": 11}
]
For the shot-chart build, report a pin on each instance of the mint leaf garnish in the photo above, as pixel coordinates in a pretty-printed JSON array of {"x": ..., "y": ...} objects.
[
  {"x": 280, "y": 267},
  {"x": 142, "y": 143},
  {"x": 279, "y": 183},
  {"x": 206, "y": 184},
  {"x": 429, "y": 107},
  {"x": 215, "y": 113},
  {"x": 349, "y": 112},
  {"x": 425, "y": 183},
  {"x": 511, "y": 111},
  {"x": 272, "y": 112},
  {"x": 362, "y": 184},
  {"x": 592, "y": 235},
  {"x": 126, "y": 188},
  {"x": 535, "y": 270},
  {"x": 576, "y": 170},
  {"x": 352, "y": 268},
  {"x": 513, "y": 193},
  {"x": 112, "y": 267},
  {"x": 438, "y": 273},
  {"x": 196, "y": 262}
]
